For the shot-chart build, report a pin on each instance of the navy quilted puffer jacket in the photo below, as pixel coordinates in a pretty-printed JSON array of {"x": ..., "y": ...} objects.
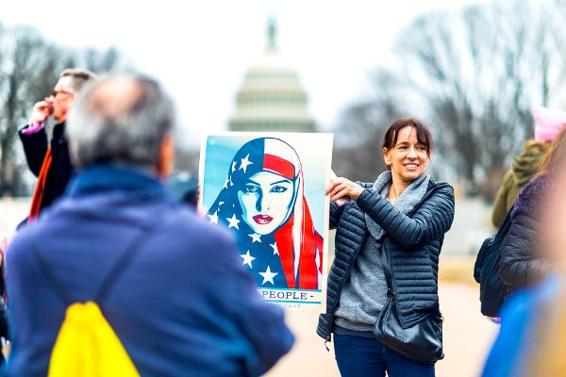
[
  {"x": 413, "y": 244},
  {"x": 521, "y": 266}
]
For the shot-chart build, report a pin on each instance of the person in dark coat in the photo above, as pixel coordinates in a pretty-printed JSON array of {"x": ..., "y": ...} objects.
[
  {"x": 533, "y": 328},
  {"x": 182, "y": 304},
  {"x": 49, "y": 161},
  {"x": 548, "y": 124},
  {"x": 184, "y": 188},
  {"x": 521, "y": 263},
  {"x": 388, "y": 240},
  {"x": 524, "y": 168}
]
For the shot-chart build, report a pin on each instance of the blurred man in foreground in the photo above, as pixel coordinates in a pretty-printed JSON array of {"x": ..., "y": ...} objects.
[{"x": 180, "y": 303}]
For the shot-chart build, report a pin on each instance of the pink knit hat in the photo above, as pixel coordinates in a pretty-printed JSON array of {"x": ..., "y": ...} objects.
[{"x": 548, "y": 123}]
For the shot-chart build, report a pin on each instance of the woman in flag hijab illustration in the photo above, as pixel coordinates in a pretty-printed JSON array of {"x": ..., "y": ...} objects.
[{"x": 262, "y": 201}]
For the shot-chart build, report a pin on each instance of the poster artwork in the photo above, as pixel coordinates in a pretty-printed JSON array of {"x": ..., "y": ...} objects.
[{"x": 268, "y": 189}]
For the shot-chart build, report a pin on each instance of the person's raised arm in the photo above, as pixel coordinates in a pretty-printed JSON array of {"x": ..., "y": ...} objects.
[
  {"x": 34, "y": 137},
  {"x": 431, "y": 221}
]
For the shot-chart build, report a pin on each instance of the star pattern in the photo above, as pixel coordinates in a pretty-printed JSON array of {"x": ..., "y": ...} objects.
[
  {"x": 214, "y": 218},
  {"x": 247, "y": 259},
  {"x": 268, "y": 276},
  {"x": 259, "y": 253},
  {"x": 233, "y": 222},
  {"x": 245, "y": 162},
  {"x": 274, "y": 247},
  {"x": 255, "y": 237}
]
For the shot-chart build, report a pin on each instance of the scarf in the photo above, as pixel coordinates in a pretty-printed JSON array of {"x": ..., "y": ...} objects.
[
  {"x": 39, "y": 190},
  {"x": 408, "y": 199}
]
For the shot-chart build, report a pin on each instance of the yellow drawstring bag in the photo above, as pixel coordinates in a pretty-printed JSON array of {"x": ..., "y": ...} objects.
[{"x": 87, "y": 346}]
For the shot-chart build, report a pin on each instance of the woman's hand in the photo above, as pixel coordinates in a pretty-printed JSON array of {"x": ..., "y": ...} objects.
[{"x": 342, "y": 187}]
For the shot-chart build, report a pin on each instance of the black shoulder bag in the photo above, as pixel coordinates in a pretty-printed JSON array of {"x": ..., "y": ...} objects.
[
  {"x": 493, "y": 291},
  {"x": 421, "y": 342}
]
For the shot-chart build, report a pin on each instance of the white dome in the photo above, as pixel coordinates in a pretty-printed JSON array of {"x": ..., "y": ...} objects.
[{"x": 271, "y": 97}]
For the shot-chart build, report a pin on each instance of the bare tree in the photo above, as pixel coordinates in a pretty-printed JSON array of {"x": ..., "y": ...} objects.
[
  {"x": 474, "y": 74},
  {"x": 109, "y": 60},
  {"x": 29, "y": 70},
  {"x": 29, "y": 67},
  {"x": 480, "y": 71},
  {"x": 357, "y": 149}
]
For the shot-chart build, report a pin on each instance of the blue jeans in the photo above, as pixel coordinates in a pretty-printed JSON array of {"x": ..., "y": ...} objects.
[{"x": 359, "y": 356}]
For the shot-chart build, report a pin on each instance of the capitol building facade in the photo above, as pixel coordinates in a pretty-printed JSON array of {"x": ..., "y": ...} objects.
[{"x": 271, "y": 97}]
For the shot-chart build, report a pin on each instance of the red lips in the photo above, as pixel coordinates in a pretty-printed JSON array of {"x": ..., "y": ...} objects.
[{"x": 262, "y": 219}]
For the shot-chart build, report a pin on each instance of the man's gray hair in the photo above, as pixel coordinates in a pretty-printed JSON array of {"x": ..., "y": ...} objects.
[
  {"x": 79, "y": 77},
  {"x": 121, "y": 120}
]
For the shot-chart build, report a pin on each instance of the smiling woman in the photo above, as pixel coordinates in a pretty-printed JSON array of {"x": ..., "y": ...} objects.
[
  {"x": 263, "y": 203},
  {"x": 388, "y": 240}
]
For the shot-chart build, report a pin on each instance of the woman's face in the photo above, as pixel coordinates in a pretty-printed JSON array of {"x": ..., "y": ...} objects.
[
  {"x": 266, "y": 200},
  {"x": 408, "y": 158}
]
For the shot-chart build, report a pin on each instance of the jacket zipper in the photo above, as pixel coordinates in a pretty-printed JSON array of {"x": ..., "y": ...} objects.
[
  {"x": 391, "y": 288},
  {"x": 333, "y": 309}
]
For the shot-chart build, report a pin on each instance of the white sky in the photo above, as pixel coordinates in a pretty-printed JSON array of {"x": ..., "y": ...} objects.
[{"x": 200, "y": 50}]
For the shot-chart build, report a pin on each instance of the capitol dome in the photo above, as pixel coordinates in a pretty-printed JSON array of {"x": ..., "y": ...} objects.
[{"x": 271, "y": 97}]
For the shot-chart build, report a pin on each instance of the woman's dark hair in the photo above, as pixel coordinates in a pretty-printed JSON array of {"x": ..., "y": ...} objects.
[{"x": 423, "y": 134}]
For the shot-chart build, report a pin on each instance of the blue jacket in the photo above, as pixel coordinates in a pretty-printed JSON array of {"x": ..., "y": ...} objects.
[
  {"x": 510, "y": 351},
  {"x": 412, "y": 243},
  {"x": 183, "y": 306}
]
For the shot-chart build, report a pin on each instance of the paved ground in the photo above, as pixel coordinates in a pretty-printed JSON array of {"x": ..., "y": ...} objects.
[{"x": 467, "y": 338}]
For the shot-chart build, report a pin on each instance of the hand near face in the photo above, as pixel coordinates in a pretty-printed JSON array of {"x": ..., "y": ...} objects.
[
  {"x": 340, "y": 188},
  {"x": 41, "y": 111}
]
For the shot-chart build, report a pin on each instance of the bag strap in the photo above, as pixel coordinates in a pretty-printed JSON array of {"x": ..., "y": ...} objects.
[
  {"x": 502, "y": 232},
  {"x": 124, "y": 260},
  {"x": 145, "y": 231}
]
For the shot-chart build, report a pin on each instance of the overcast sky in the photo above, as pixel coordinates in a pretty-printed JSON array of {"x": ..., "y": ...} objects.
[{"x": 200, "y": 50}]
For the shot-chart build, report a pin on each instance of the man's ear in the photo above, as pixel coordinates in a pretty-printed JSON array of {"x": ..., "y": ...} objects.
[{"x": 164, "y": 164}]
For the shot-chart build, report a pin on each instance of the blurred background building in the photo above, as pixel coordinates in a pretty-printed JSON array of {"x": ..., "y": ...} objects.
[{"x": 271, "y": 97}]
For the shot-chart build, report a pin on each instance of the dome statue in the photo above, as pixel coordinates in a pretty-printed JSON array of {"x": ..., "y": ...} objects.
[{"x": 271, "y": 97}]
